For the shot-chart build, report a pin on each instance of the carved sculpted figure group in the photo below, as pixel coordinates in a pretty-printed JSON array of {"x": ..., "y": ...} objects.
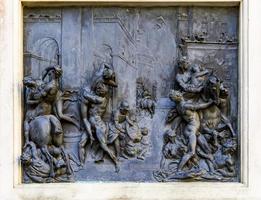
[
  {"x": 201, "y": 143},
  {"x": 49, "y": 111}
]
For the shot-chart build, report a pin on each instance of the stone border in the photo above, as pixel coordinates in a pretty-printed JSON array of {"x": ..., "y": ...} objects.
[{"x": 11, "y": 74}]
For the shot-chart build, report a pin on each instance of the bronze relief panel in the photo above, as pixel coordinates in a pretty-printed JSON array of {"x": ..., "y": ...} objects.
[{"x": 131, "y": 94}]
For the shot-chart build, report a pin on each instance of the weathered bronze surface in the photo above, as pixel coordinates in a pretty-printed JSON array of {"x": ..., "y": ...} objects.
[{"x": 130, "y": 94}]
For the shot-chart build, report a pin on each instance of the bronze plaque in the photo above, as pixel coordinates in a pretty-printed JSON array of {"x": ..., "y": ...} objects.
[{"x": 131, "y": 94}]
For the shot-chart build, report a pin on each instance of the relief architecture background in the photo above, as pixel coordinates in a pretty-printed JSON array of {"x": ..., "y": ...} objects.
[{"x": 130, "y": 94}]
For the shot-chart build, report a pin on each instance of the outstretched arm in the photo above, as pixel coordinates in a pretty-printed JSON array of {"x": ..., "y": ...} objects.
[
  {"x": 59, "y": 109},
  {"x": 202, "y": 73},
  {"x": 32, "y": 101},
  {"x": 32, "y": 98},
  {"x": 193, "y": 89},
  {"x": 197, "y": 106},
  {"x": 92, "y": 98}
]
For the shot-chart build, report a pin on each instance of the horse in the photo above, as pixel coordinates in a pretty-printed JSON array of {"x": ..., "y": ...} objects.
[{"x": 46, "y": 130}]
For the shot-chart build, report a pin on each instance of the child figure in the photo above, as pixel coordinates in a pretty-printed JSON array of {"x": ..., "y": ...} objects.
[
  {"x": 144, "y": 145},
  {"x": 197, "y": 76}
]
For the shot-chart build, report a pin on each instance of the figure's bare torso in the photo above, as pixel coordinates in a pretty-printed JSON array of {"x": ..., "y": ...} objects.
[
  {"x": 98, "y": 109},
  {"x": 51, "y": 88},
  {"x": 188, "y": 115},
  {"x": 211, "y": 117}
]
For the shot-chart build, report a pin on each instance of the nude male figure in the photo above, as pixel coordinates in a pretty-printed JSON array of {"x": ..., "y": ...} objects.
[
  {"x": 188, "y": 112},
  {"x": 107, "y": 80},
  {"x": 97, "y": 108}
]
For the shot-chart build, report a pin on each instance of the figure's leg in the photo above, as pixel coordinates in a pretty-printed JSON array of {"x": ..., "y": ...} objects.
[
  {"x": 99, "y": 155},
  {"x": 202, "y": 142},
  {"x": 55, "y": 124},
  {"x": 82, "y": 151},
  {"x": 191, "y": 147},
  {"x": 49, "y": 158},
  {"x": 84, "y": 113},
  {"x": 229, "y": 125},
  {"x": 100, "y": 132},
  {"x": 162, "y": 162},
  {"x": 112, "y": 156},
  {"x": 67, "y": 161},
  {"x": 108, "y": 151},
  {"x": 215, "y": 134},
  {"x": 210, "y": 166},
  {"x": 117, "y": 147},
  {"x": 97, "y": 152}
]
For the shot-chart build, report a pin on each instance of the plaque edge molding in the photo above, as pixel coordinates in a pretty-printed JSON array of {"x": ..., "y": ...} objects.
[{"x": 17, "y": 76}]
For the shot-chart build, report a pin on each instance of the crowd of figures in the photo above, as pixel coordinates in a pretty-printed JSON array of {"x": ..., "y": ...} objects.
[
  {"x": 201, "y": 143},
  {"x": 53, "y": 113}
]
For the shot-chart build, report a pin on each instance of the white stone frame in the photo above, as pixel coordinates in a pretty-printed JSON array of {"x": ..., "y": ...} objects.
[{"x": 11, "y": 74}]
